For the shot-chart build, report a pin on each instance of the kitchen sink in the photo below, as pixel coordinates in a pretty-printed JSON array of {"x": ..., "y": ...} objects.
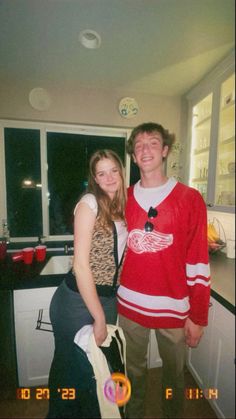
[{"x": 58, "y": 265}]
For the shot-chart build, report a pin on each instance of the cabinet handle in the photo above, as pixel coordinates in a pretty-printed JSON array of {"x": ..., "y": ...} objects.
[
  {"x": 209, "y": 204},
  {"x": 40, "y": 323}
]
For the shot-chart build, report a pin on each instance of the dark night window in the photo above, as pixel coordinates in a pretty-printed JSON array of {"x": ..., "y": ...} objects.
[
  {"x": 23, "y": 182},
  {"x": 65, "y": 168},
  {"x": 68, "y": 158}
]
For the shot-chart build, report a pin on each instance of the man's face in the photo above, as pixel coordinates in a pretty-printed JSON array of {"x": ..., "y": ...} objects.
[{"x": 149, "y": 151}]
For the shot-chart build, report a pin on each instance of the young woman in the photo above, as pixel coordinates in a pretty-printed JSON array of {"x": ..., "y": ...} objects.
[{"x": 88, "y": 293}]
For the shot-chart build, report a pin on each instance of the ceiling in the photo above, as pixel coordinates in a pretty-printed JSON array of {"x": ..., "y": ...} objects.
[{"x": 161, "y": 47}]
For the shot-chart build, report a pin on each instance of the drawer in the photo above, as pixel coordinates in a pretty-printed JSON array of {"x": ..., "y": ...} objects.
[{"x": 33, "y": 299}]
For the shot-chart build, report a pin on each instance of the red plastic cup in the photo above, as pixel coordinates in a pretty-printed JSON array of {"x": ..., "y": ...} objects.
[
  {"x": 3, "y": 250},
  {"x": 28, "y": 254},
  {"x": 40, "y": 253},
  {"x": 16, "y": 257}
]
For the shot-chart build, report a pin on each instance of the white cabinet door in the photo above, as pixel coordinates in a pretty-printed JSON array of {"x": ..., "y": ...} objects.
[
  {"x": 198, "y": 358},
  {"x": 222, "y": 366},
  {"x": 212, "y": 363},
  {"x": 34, "y": 348}
]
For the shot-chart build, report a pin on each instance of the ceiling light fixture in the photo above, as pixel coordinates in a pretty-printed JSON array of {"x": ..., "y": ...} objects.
[{"x": 90, "y": 39}]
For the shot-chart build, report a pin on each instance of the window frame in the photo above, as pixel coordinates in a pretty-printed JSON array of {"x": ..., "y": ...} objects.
[{"x": 44, "y": 128}]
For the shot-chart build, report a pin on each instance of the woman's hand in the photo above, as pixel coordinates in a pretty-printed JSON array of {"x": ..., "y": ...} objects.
[{"x": 100, "y": 332}]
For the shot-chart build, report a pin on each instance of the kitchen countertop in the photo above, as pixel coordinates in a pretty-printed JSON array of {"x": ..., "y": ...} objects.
[
  {"x": 223, "y": 279},
  {"x": 17, "y": 275}
]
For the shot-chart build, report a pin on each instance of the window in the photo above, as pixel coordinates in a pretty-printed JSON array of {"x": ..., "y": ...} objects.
[
  {"x": 68, "y": 161},
  {"x": 46, "y": 171},
  {"x": 23, "y": 182}
]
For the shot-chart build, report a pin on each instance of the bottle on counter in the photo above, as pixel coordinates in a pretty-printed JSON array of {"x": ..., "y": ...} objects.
[{"x": 5, "y": 231}]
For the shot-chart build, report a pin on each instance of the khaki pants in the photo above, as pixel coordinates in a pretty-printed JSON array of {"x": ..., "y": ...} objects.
[{"x": 171, "y": 344}]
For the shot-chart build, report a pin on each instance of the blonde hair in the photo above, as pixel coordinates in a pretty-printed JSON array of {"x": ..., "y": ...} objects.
[{"x": 108, "y": 209}]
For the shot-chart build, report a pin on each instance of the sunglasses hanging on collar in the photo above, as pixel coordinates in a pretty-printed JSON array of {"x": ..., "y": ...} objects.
[{"x": 152, "y": 213}]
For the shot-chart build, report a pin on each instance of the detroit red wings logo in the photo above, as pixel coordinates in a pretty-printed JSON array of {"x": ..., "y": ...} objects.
[{"x": 141, "y": 241}]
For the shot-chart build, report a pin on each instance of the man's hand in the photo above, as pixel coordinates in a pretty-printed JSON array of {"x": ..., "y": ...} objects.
[{"x": 193, "y": 333}]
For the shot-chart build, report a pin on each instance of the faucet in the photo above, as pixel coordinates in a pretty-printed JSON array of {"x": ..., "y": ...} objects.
[
  {"x": 41, "y": 239},
  {"x": 67, "y": 248}
]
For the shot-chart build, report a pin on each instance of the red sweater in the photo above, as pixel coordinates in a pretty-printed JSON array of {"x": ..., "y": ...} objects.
[{"x": 166, "y": 276}]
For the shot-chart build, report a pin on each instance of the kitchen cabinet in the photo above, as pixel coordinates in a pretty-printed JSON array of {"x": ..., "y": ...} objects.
[
  {"x": 211, "y": 137},
  {"x": 225, "y": 167},
  {"x": 34, "y": 347},
  {"x": 8, "y": 375},
  {"x": 212, "y": 363},
  {"x": 198, "y": 359},
  {"x": 222, "y": 363}
]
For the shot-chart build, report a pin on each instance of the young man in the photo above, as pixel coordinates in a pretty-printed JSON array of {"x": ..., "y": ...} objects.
[{"x": 165, "y": 281}]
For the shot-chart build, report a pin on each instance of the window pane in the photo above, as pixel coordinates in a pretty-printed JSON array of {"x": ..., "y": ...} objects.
[
  {"x": 66, "y": 176},
  {"x": 95, "y": 143},
  {"x": 68, "y": 158},
  {"x": 23, "y": 182}
]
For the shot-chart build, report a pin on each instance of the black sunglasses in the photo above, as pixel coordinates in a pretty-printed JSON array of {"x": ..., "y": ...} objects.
[{"x": 152, "y": 213}]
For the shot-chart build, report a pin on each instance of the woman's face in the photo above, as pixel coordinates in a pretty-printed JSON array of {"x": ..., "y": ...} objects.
[{"x": 108, "y": 176}]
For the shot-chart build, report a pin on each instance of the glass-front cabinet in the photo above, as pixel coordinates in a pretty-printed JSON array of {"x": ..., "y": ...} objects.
[
  {"x": 201, "y": 132},
  {"x": 210, "y": 163},
  {"x": 225, "y": 167}
]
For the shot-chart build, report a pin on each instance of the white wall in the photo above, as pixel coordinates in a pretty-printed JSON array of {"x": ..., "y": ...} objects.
[
  {"x": 98, "y": 107},
  {"x": 86, "y": 106},
  {"x": 89, "y": 106}
]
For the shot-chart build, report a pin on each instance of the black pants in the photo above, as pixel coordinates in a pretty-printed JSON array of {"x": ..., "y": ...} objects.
[{"x": 71, "y": 379}]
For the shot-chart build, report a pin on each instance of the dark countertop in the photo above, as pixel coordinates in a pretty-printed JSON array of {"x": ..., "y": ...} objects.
[
  {"x": 17, "y": 275},
  {"x": 223, "y": 279}
]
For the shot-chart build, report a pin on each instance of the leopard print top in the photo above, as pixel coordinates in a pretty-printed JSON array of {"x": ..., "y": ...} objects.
[{"x": 103, "y": 256}]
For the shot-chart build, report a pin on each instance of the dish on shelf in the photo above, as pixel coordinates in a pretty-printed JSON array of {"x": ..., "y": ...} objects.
[
  {"x": 226, "y": 198},
  {"x": 231, "y": 167},
  {"x": 228, "y": 99}
]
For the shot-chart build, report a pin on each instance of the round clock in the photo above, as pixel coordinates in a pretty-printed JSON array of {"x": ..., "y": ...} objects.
[{"x": 128, "y": 107}]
